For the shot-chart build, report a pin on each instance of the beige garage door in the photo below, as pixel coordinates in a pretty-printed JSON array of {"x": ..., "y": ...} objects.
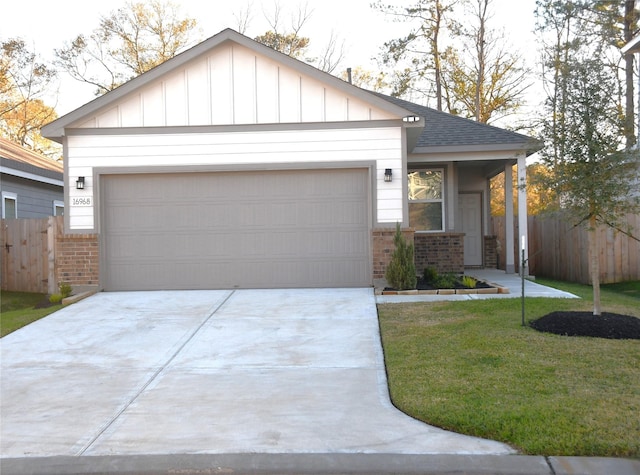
[{"x": 236, "y": 230}]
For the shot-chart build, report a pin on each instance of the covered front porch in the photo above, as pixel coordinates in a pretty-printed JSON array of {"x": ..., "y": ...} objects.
[{"x": 449, "y": 212}]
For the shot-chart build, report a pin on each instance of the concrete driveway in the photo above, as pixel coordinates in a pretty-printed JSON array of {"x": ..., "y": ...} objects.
[{"x": 209, "y": 372}]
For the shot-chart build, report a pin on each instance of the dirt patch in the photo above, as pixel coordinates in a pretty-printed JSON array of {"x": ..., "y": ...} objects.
[{"x": 608, "y": 325}]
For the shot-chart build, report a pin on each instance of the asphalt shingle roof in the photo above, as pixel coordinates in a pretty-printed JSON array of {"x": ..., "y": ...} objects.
[{"x": 447, "y": 130}]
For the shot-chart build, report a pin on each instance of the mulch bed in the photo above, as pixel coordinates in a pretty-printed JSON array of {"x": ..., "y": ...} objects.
[
  {"x": 423, "y": 285},
  {"x": 608, "y": 325}
]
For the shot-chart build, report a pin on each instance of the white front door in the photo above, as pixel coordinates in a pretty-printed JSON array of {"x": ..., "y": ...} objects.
[{"x": 470, "y": 213}]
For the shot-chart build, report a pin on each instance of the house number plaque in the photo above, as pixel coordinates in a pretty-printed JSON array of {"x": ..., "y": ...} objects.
[{"x": 82, "y": 201}]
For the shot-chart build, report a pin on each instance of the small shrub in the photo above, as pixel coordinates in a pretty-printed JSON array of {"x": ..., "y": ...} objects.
[
  {"x": 401, "y": 271},
  {"x": 55, "y": 298},
  {"x": 469, "y": 281},
  {"x": 65, "y": 289},
  {"x": 430, "y": 274},
  {"x": 445, "y": 281}
]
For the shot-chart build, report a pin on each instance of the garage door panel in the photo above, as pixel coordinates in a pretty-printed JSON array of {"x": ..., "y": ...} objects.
[{"x": 305, "y": 228}]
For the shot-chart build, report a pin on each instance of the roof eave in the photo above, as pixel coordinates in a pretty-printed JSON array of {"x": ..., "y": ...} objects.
[
  {"x": 528, "y": 148},
  {"x": 633, "y": 46}
]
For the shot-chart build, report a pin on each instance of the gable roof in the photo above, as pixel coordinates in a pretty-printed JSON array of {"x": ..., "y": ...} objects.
[
  {"x": 56, "y": 129},
  {"x": 14, "y": 152},
  {"x": 447, "y": 133}
]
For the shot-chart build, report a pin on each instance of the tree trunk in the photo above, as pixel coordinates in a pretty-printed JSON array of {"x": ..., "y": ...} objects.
[
  {"x": 436, "y": 53},
  {"x": 629, "y": 27},
  {"x": 595, "y": 264},
  {"x": 480, "y": 50}
]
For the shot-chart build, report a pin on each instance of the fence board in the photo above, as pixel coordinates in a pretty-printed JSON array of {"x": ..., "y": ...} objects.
[
  {"x": 28, "y": 254},
  {"x": 558, "y": 250}
]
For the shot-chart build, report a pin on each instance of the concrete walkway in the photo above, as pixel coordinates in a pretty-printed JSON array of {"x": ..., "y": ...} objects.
[{"x": 513, "y": 282}]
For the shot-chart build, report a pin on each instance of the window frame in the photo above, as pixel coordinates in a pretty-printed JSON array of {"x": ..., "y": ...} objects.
[
  {"x": 58, "y": 204},
  {"x": 7, "y": 195},
  {"x": 430, "y": 200}
]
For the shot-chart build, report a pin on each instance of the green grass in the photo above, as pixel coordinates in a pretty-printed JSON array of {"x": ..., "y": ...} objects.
[
  {"x": 470, "y": 367},
  {"x": 17, "y": 310}
]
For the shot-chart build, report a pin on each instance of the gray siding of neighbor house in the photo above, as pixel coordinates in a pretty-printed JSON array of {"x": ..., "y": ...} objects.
[{"x": 35, "y": 200}]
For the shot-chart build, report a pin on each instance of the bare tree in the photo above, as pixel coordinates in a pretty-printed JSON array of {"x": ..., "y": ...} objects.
[
  {"x": 420, "y": 51},
  {"x": 490, "y": 83},
  {"x": 243, "y": 18},
  {"x": 127, "y": 43},
  {"x": 331, "y": 55},
  {"x": 288, "y": 38}
]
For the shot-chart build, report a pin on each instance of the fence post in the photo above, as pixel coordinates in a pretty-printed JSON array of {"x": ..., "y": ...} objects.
[{"x": 52, "y": 225}]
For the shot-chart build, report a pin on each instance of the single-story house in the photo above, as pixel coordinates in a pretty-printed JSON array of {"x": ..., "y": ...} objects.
[
  {"x": 31, "y": 185},
  {"x": 232, "y": 165}
]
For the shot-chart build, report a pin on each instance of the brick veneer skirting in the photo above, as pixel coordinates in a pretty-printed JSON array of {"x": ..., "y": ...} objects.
[
  {"x": 382, "y": 243},
  {"x": 443, "y": 251},
  {"x": 491, "y": 252},
  {"x": 78, "y": 259}
]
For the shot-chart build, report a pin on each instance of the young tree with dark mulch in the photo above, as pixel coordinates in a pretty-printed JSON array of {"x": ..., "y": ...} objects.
[{"x": 592, "y": 174}]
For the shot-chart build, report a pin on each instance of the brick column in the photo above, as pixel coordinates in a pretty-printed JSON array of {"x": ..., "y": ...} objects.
[
  {"x": 491, "y": 252},
  {"x": 78, "y": 260}
]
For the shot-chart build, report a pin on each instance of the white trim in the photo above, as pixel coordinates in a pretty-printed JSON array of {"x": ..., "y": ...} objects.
[
  {"x": 58, "y": 204},
  {"x": 30, "y": 176},
  {"x": 7, "y": 195}
]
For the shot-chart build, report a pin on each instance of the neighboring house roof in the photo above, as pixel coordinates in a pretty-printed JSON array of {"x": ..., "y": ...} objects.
[
  {"x": 56, "y": 129},
  {"x": 446, "y": 133},
  {"x": 18, "y": 161},
  {"x": 16, "y": 152}
]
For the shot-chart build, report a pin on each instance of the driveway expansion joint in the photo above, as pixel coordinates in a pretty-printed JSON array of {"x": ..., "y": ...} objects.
[{"x": 155, "y": 375}]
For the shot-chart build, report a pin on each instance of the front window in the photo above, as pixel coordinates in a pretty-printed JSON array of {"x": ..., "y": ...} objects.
[{"x": 426, "y": 202}]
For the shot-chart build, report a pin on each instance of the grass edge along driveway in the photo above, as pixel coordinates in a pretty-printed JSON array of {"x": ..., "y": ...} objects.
[
  {"x": 17, "y": 310},
  {"x": 470, "y": 367}
]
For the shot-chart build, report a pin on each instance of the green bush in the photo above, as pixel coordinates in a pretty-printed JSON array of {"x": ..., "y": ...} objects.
[
  {"x": 55, "y": 298},
  {"x": 446, "y": 281},
  {"x": 469, "y": 281},
  {"x": 65, "y": 289},
  {"x": 401, "y": 271},
  {"x": 430, "y": 274}
]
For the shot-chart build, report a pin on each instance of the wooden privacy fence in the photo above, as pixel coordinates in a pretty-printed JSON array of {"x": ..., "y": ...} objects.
[
  {"x": 558, "y": 250},
  {"x": 28, "y": 254}
]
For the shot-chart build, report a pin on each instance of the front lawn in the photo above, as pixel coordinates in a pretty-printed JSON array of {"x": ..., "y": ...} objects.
[
  {"x": 470, "y": 367},
  {"x": 18, "y": 310}
]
